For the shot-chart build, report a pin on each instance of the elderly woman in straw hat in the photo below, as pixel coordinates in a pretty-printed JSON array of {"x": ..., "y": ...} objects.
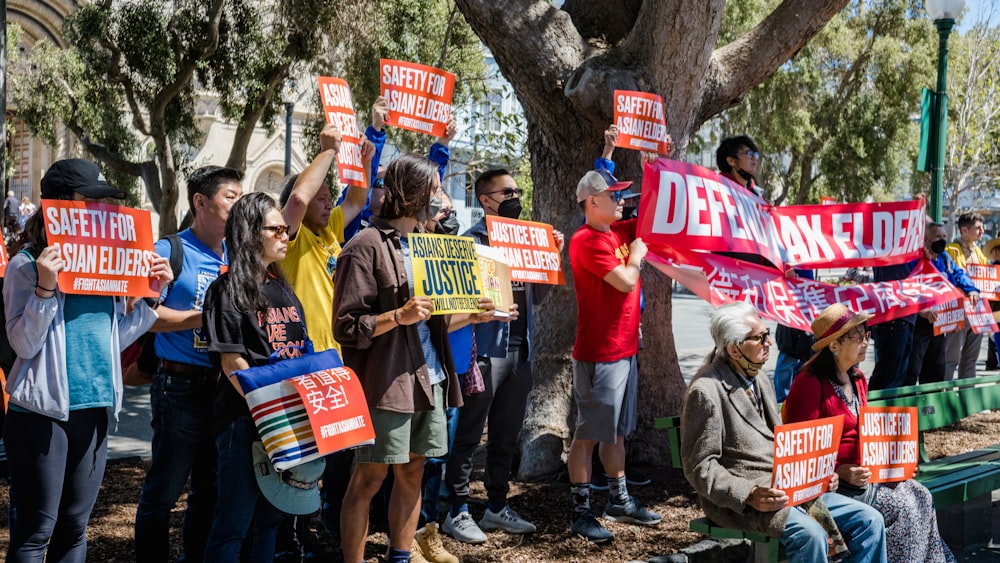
[{"x": 831, "y": 384}]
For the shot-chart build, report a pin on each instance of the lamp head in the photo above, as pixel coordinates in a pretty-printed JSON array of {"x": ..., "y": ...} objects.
[{"x": 944, "y": 9}]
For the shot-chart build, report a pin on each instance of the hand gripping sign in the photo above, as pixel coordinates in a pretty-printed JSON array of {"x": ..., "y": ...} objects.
[
  {"x": 338, "y": 107},
  {"x": 108, "y": 249},
  {"x": 419, "y": 96},
  {"x": 529, "y": 248},
  {"x": 888, "y": 442},
  {"x": 805, "y": 457},
  {"x": 446, "y": 269},
  {"x": 641, "y": 121}
]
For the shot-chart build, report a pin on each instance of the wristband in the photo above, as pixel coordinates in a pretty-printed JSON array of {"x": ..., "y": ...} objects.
[
  {"x": 395, "y": 317},
  {"x": 44, "y": 288}
]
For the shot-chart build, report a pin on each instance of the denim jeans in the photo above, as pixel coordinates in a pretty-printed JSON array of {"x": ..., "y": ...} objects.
[
  {"x": 239, "y": 504},
  {"x": 56, "y": 469},
  {"x": 861, "y": 525},
  {"x": 433, "y": 470},
  {"x": 784, "y": 371},
  {"x": 893, "y": 341},
  {"x": 183, "y": 445}
]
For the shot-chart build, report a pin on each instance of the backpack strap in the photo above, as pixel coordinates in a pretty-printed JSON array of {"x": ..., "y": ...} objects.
[{"x": 176, "y": 257}]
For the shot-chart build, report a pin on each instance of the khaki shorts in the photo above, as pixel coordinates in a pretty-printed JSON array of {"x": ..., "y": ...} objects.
[{"x": 399, "y": 434}]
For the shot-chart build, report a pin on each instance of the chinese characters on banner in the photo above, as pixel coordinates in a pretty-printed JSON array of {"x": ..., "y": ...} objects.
[
  {"x": 528, "y": 248},
  {"x": 108, "y": 249},
  {"x": 419, "y": 96},
  {"x": 446, "y": 269},
  {"x": 641, "y": 121},
  {"x": 338, "y": 107},
  {"x": 805, "y": 457},
  {"x": 888, "y": 442},
  {"x": 337, "y": 409}
]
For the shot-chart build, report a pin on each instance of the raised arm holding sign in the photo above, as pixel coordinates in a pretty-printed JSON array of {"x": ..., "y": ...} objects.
[{"x": 641, "y": 122}]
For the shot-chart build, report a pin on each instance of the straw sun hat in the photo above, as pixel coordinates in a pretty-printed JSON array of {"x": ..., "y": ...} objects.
[
  {"x": 834, "y": 322},
  {"x": 990, "y": 246}
]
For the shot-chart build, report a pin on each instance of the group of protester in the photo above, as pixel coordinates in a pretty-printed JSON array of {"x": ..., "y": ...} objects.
[
  {"x": 261, "y": 281},
  {"x": 16, "y": 213}
]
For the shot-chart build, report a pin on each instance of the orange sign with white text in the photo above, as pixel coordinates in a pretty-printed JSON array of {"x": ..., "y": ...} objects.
[
  {"x": 337, "y": 409},
  {"x": 338, "y": 107},
  {"x": 419, "y": 96},
  {"x": 641, "y": 122},
  {"x": 108, "y": 249},
  {"x": 805, "y": 457},
  {"x": 950, "y": 316},
  {"x": 4, "y": 258},
  {"x": 528, "y": 248},
  {"x": 888, "y": 442}
]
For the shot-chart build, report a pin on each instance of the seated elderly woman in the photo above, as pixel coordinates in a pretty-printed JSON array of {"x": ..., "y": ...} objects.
[
  {"x": 831, "y": 384},
  {"x": 727, "y": 449}
]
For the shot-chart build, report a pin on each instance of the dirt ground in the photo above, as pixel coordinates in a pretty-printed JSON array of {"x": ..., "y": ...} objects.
[{"x": 546, "y": 504}]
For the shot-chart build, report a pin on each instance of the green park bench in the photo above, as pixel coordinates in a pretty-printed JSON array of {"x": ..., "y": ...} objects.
[{"x": 951, "y": 480}]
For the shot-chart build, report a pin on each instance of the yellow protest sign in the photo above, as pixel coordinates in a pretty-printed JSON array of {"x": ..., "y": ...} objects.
[{"x": 446, "y": 269}]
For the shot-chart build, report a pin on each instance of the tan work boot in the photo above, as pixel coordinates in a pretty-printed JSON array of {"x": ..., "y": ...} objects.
[{"x": 429, "y": 543}]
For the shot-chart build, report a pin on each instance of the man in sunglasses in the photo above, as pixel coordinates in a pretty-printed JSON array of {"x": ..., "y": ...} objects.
[
  {"x": 606, "y": 256},
  {"x": 503, "y": 350},
  {"x": 737, "y": 159}
]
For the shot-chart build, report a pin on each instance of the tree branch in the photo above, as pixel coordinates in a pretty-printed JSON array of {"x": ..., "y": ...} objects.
[
  {"x": 749, "y": 60},
  {"x": 123, "y": 78}
]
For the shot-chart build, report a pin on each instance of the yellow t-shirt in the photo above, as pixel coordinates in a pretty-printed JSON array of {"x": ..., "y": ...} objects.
[{"x": 309, "y": 266}]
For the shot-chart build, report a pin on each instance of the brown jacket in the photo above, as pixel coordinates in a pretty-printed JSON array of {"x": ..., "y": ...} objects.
[
  {"x": 727, "y": 448},
  {"x": 371, "y": 279}
]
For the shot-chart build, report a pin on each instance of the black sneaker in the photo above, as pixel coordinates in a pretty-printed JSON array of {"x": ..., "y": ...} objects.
[
  {"x": 632, "y": 512},
  {"x": 588, "y": 528},
  {"x": 637, "y": 479}
]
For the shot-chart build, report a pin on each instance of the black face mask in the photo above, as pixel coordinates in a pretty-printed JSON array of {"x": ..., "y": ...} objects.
[
  {"x": 510, "y": 208},
  {"x": 937, "y": 247}
]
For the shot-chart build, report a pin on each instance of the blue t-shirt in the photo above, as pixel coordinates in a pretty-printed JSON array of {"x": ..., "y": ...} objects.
[
  {"x": 88, "y": 350},
  {"x": 435, "y": 373},
  {"x": 201, "y": 267}
]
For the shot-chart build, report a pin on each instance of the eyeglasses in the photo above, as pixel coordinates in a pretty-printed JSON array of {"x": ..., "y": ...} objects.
[
  {"x": 750, "y": 154},
  {"x": 508, "y": 193},
  {"x": 858, "y": 336},
  {"x": 760, "y": 339},
  {"x": 278, "y": 230}
]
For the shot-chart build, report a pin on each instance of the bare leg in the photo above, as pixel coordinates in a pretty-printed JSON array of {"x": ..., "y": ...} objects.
[
  {"x": 404, "y": 503},
  {"x": 365, "y": 482}
]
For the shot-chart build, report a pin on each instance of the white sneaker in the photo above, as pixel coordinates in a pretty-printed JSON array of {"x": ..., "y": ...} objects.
[
  {"x": 463, "y": 528},
  {"x": 506, "y": 520}
]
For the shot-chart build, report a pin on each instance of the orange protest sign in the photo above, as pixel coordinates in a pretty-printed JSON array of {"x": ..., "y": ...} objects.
[
  {"x": 950, "y": 316},
  {"x": 980, "y": 316},
  {"x": 338, "y": 107},
  {"x": 419, "y": 96},
  {"x": 888, "y": 442},
  {"x": 337, "y": 410},
  {"x": 108, "y": 249},
  {"x": 641, "y": 121},
  {"x": 4, "y": 258},
  {"x": 805, "y": 457},
  {"x": 528, "y": 248},
  {"x": 986, "y": 278}
]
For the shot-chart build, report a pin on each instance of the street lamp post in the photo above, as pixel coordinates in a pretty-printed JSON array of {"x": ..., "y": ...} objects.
[
  {"x": 289, "y": 95},
  {"x": 944, "y": 13}
]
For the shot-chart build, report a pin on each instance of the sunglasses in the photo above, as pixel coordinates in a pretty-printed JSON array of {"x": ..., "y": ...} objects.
[
  {"x": 278, "y": 230},
  {"x": 508, "y": 193},
  {"x": 761, "y": 338}
]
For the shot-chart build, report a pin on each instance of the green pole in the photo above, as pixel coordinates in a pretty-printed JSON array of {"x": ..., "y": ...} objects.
[{"x": 940, "y": 122}]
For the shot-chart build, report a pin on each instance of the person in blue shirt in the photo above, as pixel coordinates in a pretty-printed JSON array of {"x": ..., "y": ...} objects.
[{"x": 927, "y": 353}]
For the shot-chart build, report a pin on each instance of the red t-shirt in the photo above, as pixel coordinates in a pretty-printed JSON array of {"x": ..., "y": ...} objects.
[
  {"x": 812, "y": 397},
  {"x": 607, "y": 326}
]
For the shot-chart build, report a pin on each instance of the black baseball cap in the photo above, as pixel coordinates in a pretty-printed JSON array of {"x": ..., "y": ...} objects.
[{"x": 77, "y": 175}]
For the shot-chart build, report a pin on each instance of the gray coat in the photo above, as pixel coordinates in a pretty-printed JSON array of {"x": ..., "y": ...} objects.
[{"x": 727, "y": 448}]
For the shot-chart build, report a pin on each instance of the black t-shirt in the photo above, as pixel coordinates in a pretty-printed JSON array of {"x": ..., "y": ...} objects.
[
  {"x": 519, "y": 327},
  {"x": 254, "y": 336}
]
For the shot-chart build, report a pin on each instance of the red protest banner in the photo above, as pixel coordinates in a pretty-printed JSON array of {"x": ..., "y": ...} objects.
[
  {"x": 529, "y": 248},
  {"x": 641, "y": 121},
  {"x": 986, "y": 278},
  {"x": 805, "y": 457},
  {"x": 888, "y": 442},
  {"x": 337, "y": 409},
  {"x": 338, "y": 107},
  {"x": 419, "y": 96},
  {"x": 950, "y": 316},
  {"x": 796, "y": 302},
  {"x": 693, "y": 208},
  {"x": 108, "y": 249}
]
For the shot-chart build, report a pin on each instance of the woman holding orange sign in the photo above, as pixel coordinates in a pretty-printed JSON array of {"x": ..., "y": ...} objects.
[{"x": 831, "y": 384}]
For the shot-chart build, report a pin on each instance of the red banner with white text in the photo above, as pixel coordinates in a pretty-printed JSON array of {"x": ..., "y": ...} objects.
[{"x": 686, "y": 208}]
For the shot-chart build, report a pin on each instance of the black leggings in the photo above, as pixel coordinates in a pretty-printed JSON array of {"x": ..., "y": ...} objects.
[{"x": 56, "y": 469}]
